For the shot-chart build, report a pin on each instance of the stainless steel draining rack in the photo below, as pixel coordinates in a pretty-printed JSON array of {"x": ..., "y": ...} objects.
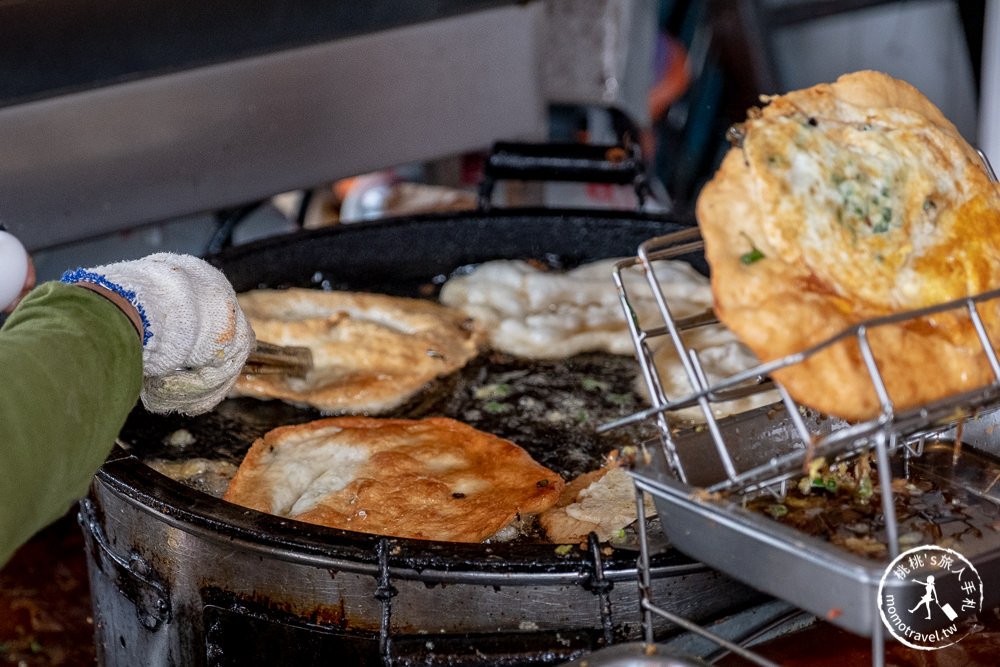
[{"x": 697, "y": 475}]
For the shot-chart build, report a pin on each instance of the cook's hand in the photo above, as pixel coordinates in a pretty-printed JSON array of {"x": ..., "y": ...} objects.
[{"x": 195, "y": 338}]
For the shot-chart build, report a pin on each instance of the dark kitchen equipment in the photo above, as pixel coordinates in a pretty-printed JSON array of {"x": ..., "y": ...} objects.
[
  {"x": 618, "y": 164},
  {"x": 180, "y": 577}
]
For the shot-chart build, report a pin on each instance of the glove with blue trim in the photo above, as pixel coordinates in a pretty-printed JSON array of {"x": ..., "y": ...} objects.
[{"x": 195, "y": 336}]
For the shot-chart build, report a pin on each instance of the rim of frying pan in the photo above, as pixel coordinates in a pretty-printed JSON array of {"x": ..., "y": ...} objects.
[
  {"x": 567, "y": 237},
  {"x": 424, "y": 247}
]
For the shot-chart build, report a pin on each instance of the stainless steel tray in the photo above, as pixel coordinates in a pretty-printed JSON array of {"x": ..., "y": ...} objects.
[{"x": 809, "y": 572}]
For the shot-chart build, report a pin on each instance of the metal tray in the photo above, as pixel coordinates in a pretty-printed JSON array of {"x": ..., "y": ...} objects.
[{"x": 807, "y": 571}]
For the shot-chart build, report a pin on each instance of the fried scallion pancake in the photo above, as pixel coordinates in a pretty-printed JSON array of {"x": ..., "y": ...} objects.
[
  {"x": 432, "y": 479},
  {"x": 371, "y": 352},
  {"x": 845, "y": 202}
]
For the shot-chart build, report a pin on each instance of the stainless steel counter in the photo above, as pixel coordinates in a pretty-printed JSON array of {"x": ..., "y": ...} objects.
[{"x": 79, "y": 160}]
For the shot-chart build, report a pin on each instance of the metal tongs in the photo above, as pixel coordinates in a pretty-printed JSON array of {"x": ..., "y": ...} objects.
[{"x": 270, "y": 359}]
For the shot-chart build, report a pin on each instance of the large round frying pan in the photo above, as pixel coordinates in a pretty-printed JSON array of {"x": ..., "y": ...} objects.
[{"x": 182, "y": 577}]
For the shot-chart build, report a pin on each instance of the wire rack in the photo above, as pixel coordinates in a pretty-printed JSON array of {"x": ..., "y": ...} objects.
[
  {"x": 793, "y": 435},
  {"x": 836, "y": 438}
]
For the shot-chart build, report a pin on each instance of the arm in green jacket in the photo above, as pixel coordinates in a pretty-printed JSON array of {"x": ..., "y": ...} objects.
[{"x": 72, "y": 370}]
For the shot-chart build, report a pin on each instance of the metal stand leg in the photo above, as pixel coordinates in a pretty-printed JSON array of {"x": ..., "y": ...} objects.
[
  {"x": 878, "y": 643},
  {"x": 643, "y": 583}
]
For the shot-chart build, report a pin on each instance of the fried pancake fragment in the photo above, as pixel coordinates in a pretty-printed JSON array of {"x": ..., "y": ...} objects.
[
  {"x": 431, "y": 479},
  {"x": 371, "y": 352},
  {"x": 844, "y": 202},
  {"x": 601, "y": 501}
]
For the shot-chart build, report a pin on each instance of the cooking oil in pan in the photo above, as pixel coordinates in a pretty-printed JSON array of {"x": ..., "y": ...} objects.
[
  {"x": 942, "y": 497},
  {"x": 550, "y": 408}
]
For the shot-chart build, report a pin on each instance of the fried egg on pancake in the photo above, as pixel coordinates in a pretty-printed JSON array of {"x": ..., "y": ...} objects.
[
  {"x": 371, "y": 352},
  {"x": 433, "y": 479},
  {"x": 844, "y": 202}
]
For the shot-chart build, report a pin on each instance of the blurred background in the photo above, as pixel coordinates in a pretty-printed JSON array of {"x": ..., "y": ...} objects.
[{"x": 126, "y": 129}]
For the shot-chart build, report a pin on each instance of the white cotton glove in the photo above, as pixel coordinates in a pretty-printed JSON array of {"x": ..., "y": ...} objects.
[{"x": 196, "y": 338}]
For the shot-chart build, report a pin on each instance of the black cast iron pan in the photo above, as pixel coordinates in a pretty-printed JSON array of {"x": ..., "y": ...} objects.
[{"x": 405, "y": 257}]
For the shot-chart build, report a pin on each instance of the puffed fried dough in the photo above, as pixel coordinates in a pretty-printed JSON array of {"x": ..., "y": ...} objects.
[
  {"x": 797, "y": 255},
  {"x": 371, "y": 352},
  {"x": 546, "y": 314},
  {"x": 433, "y": 479}
]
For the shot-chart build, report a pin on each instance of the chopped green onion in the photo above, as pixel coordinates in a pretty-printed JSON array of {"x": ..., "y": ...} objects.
[
  {"x": 829, "y": 484},
  {"x": 752, "y": 256},
  {"x": 865, "y": 488}
]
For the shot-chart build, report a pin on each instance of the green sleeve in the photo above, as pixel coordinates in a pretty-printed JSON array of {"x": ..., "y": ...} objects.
[{"x": 72, "y": 370}]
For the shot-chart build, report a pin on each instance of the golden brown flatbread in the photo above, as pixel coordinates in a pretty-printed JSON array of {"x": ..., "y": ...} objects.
[
  {"x": 432, "y": 479},
  {"x": 844, "y": 202},
  {"x": 371, "y": 352}
]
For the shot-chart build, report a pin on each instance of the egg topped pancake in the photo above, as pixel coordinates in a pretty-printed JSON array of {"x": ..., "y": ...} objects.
[{"x": 845, "y": 202}]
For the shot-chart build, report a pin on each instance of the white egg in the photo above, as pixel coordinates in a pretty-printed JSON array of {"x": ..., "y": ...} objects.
[{"x": 13, "y": 268}]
